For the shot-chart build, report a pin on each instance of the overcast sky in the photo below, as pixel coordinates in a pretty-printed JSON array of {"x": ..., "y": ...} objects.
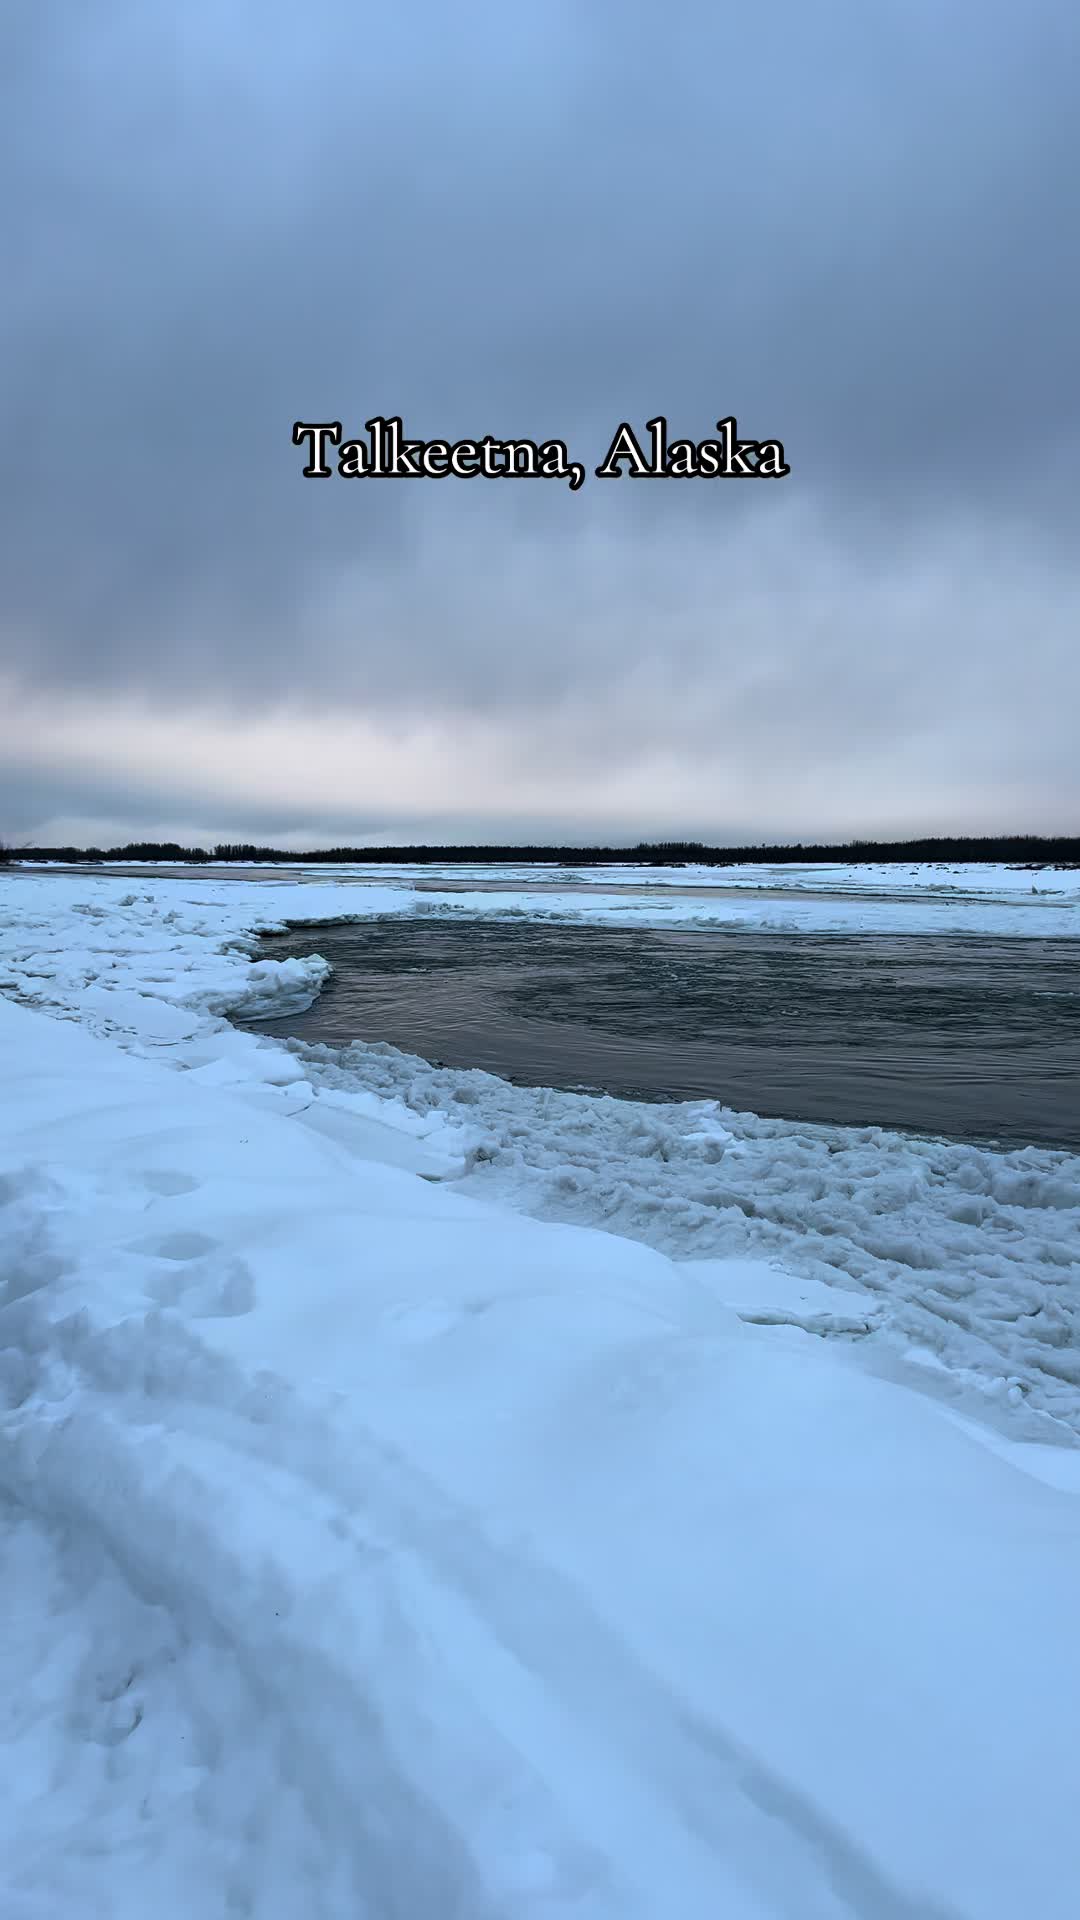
[{"x": 853, "y": 226}]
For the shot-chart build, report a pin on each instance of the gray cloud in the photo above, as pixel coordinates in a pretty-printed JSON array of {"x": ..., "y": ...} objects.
[{"x": 849, "y": 225}]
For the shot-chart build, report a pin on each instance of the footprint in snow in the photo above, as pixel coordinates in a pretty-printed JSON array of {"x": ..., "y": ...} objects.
[
  {"x": 167, "y": 1183},
  {"x": 197, "y": 1275}
]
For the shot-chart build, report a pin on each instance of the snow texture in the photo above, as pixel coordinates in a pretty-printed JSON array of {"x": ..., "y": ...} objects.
[{"x": 370, "y": 1548}]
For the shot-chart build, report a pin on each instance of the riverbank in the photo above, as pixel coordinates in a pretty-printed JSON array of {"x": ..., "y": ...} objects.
[{"x": 375, "y": 1547}]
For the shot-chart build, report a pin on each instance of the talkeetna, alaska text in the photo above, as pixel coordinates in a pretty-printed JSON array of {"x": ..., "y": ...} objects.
[{"x": 387, "y": 454}]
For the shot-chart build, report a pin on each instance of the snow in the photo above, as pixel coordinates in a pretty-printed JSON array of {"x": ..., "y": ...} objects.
[
  {"x": 959, "y": 1253},
  {"x": 996, "y": 900},
  {"x": 980, "y": 878},
  {"x": 382, "y": 1537}
]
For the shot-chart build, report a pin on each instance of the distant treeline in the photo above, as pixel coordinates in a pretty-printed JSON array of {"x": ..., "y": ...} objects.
[{"x": 1014, "y": 849}]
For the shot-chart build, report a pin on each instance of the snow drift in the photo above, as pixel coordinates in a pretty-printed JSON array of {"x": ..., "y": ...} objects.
[{"x": 372, "y": 1550}]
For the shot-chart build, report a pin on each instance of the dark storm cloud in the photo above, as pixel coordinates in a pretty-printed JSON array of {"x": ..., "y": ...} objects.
[{"x": 853, "y": 226}]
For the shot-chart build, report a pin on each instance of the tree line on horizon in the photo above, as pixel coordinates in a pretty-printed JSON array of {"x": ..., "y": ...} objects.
[{"x": 1007, "y": 849}]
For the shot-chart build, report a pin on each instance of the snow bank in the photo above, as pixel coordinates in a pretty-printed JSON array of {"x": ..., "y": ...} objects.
[
  {"x": 150, "y": 964},
  {"x": 966, "y": 1261},
  {"x": 921, "y": 878},
  {"x": 976, "y": 878},
  {"x": 371, "y": 1551},
  {"x": 999, "y": 901},
  {"x": 969, "y": 1260}
]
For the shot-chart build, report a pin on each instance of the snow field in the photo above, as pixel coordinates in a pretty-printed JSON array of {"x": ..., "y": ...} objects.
[{"x": 371, "y": 1549}]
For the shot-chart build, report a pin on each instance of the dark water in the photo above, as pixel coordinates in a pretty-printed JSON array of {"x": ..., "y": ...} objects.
[{"x": 973, "y": 1037}]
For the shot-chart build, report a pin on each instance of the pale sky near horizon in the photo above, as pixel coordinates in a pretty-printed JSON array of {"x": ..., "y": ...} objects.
[{"x": 854, "y": 228}]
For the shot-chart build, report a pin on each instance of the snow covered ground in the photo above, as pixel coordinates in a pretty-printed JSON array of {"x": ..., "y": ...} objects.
[
  {"x": 371, "y": 1548},
  {"x": 985, "y": 879},
  {"x": 927, "y": 899}
]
